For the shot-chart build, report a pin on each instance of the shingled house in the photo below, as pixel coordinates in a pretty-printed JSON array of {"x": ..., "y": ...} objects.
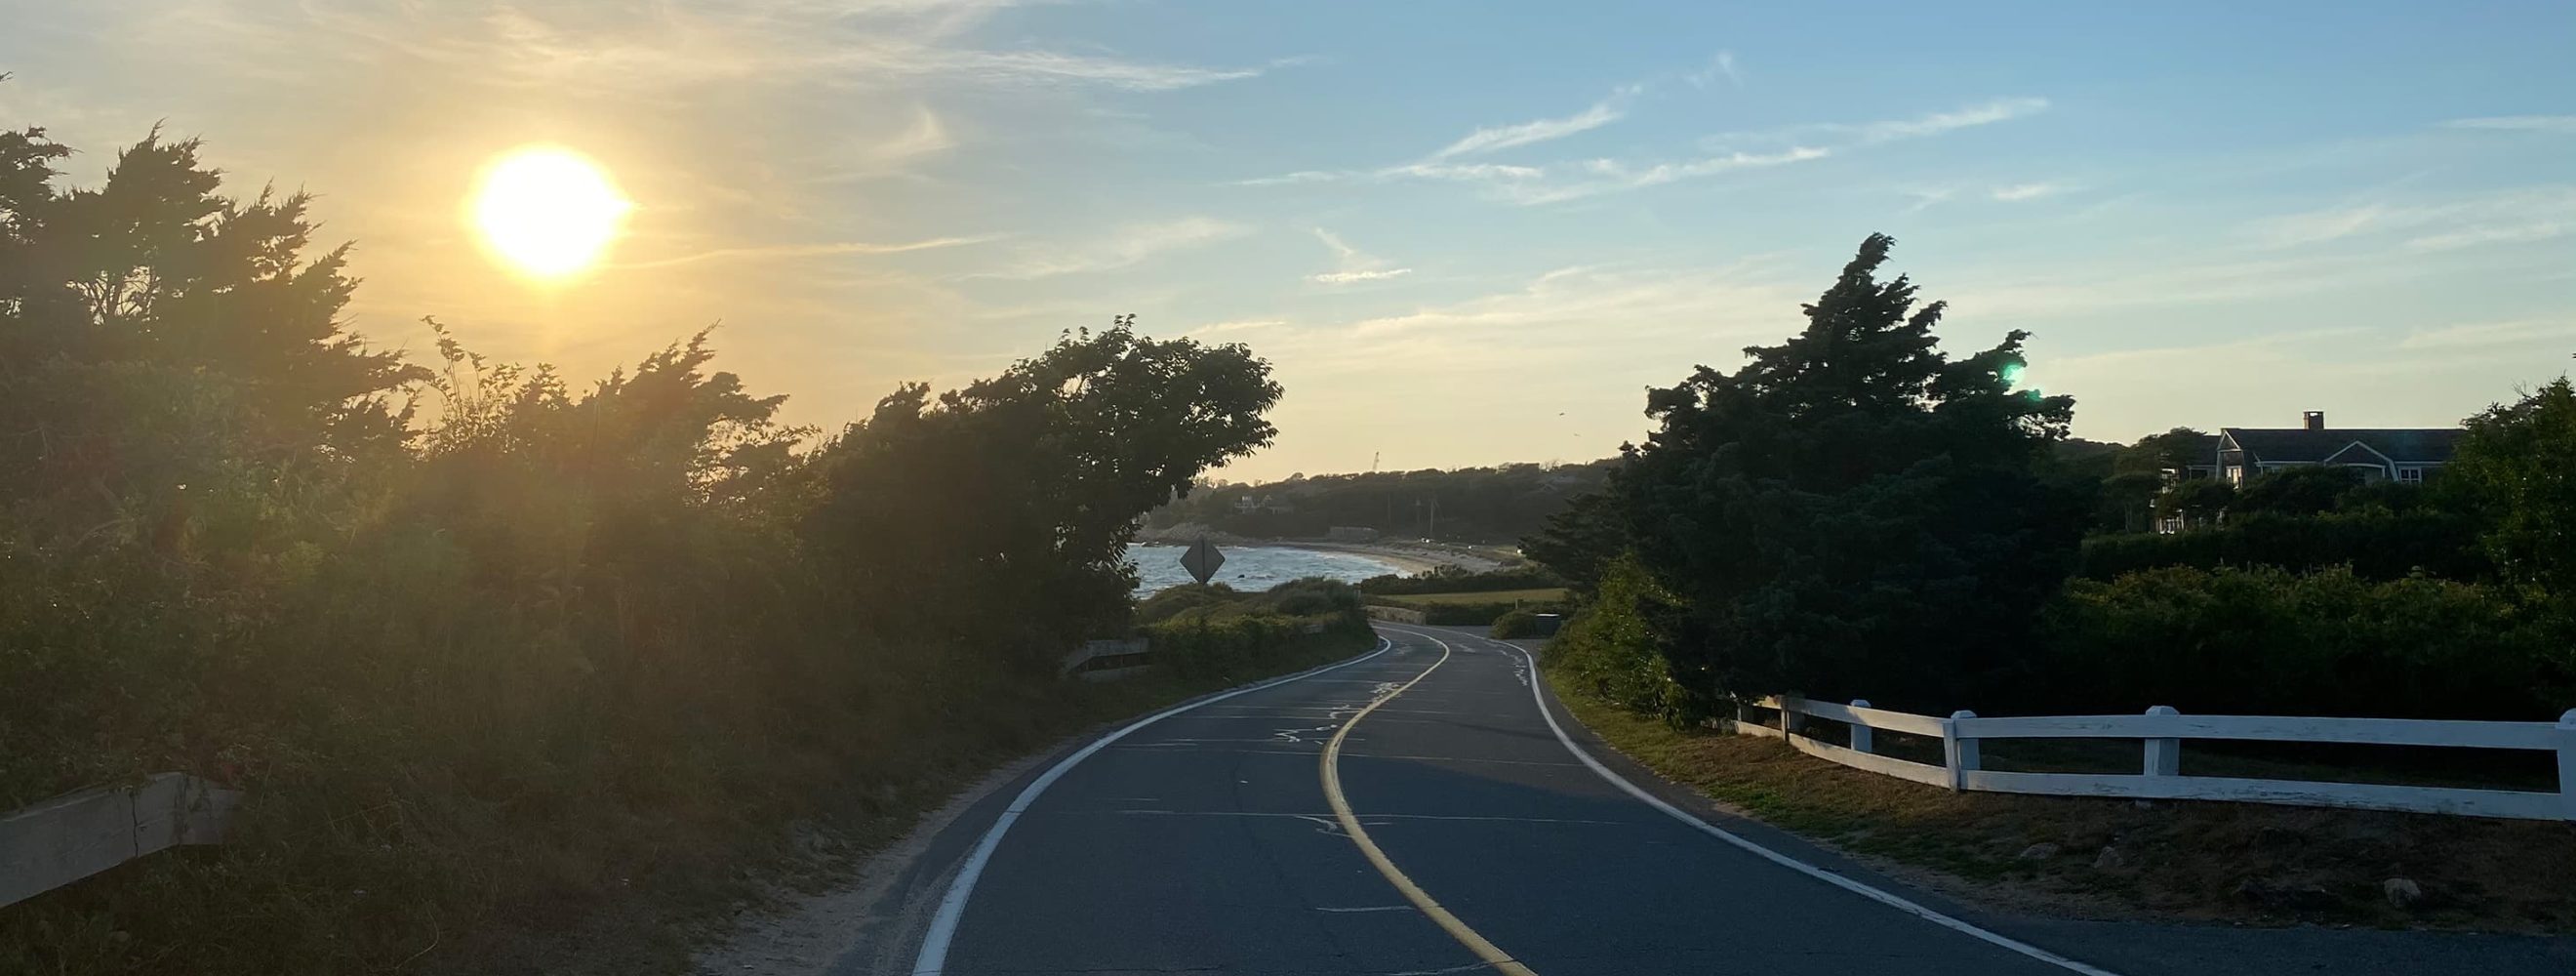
[{"x": 2380, "y": 454}]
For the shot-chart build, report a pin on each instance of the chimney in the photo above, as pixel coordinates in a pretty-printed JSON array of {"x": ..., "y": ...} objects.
[{"x": 2316, "y": 419}]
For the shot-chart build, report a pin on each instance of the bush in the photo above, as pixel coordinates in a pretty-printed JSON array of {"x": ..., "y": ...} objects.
[
  {"x": 2377, "y": 543},
  {"x": 475, "y": 671},
  {"x": 1451, "y": 579},
  {"x": 2264, "y": 641},
  {"x": 1518, "y": 623},
  {"x": 1237, "y": 635},
  {"x": 1188, "y": 596},
  {"x": 1610, "y": 648}
]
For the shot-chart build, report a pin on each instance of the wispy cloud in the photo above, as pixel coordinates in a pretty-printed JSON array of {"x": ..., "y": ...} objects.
[
  {"x": 2018, "y": 192},
  {"x": 1237, "y": 325},
  {"x": 1502, "y": 137},
  {"x": 1989, "y": 113},
  {"x": 1298, "y": 177},
  {"x": 823, "y": 250},
  {"x": 2534, "y": 123},
  {"x": 1612, "y": 176},
  {"x": 2520, "y": 214},
  {"x": 1124, "y": 247},
  {"x": 2492, "y": 334},
  {"x": 1352, "y": 264},
  {"x": 2473, "y": 236},
  {"x": 1721, "y": 66},
  {"x": 1577, "y": 179},
  {"x": 562, "y": 47}
]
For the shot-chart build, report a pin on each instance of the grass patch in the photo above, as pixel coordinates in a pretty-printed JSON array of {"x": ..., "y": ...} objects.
[
  {"x": 2194, "y": 860},
  {"x": 1548, "y": 595}
]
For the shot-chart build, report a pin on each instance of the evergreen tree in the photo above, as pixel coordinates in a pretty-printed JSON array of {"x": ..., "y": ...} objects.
[{"x": 1850, "y": 513}]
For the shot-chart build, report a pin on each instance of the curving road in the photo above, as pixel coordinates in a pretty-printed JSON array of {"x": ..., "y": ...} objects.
[{"x": 1428, "y": 809}]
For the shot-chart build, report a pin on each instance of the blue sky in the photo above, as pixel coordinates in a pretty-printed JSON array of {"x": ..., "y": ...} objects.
[{"x": 1465, "y": 232}]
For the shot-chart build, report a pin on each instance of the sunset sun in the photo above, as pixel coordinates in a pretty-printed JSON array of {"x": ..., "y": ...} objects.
[{"x": 547, "y": 212}]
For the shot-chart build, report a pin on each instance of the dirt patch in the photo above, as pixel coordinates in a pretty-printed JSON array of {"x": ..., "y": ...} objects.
[{"x": 2098, "y": 858}]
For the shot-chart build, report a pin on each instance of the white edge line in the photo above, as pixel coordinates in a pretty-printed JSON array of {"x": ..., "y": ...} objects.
[
  {"x": 1879, "y": 895},
  {"x": 932, "y": 958}
]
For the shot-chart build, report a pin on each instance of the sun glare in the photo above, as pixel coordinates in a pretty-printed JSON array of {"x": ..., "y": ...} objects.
[{"x": 547, "y": 212}]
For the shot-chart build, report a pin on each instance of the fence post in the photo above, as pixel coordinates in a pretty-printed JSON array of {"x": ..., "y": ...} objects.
[
  {"x": 1792, "y": 721},
  {"x": 2164, "y": 756},
  {"x": 2567, "y": 764},
  {"x": 1958, "y": 753},
  {"x": 1861, "y": 740}
]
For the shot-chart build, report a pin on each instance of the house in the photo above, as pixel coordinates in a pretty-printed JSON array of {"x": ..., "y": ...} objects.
[
  {"x": 1275, "y": 505},
  {"x": 2381, "y": 454}
]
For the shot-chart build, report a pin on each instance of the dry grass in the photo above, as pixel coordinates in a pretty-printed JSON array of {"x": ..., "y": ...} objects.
[{"x": 2211, "y": 861}]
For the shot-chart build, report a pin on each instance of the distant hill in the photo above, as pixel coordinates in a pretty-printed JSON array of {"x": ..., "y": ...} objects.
[{"x": 1481, "y": 505}]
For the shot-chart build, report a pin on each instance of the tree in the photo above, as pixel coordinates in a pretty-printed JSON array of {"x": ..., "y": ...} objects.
[
  {"x": 1852, "y": 511},
  {"x": 2198, "y": 500},
  {"x": 2308, "y": 489},
  {"x": 155, "y": 334},
  {"x": 2174, "y": 450},
  {"x": 2517, "y": 464},
  {"x": 1027, "y": 487}
]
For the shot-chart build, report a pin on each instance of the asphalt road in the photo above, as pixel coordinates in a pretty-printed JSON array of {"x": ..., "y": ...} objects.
[{"x": 1417, "y": 812}]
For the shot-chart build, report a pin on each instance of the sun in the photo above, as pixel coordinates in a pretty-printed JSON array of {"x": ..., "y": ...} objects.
[{"x": 546, "y": 211}]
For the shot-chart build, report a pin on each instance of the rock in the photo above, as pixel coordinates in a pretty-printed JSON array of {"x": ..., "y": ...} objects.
[
  {"x": 2039, "y": 852},
  {"x": 2401, "y": 892},
  {"x": 2108, "y": 859}
]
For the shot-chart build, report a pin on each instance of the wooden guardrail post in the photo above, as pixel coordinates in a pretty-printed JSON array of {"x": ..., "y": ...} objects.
[
  {"x": 1960, "y": 754},
  {"x": 2164, "y": 756},
  {"x": 2567, "y": 764},
  {"x": 1792, "y": 721},
  {"x": 1861, "y": 740}
]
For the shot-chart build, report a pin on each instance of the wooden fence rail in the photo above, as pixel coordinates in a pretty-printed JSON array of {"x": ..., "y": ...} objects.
[
  {"x": 76, "y": 835},
  {"x": 2161, "y": 732}
]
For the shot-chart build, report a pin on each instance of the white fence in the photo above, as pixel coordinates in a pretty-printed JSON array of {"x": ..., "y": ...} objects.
[
  {"x": 2161, "y": 732},
  {"x": 71, "y": 837}
]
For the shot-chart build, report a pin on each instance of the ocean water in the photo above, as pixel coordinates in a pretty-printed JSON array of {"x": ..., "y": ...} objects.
[{"x": 1250, "y": 567}]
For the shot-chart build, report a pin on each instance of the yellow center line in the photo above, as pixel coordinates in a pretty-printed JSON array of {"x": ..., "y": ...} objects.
[{"x": 1484, "y": 949}]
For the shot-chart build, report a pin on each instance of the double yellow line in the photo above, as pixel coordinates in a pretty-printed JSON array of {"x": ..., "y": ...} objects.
[{"x": 1484, "y": 948}]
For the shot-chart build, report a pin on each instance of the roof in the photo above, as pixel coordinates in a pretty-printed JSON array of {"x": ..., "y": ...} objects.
[{"x": 2300, "y": 445}]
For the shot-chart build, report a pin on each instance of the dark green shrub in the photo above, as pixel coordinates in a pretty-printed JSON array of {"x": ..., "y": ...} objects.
[
  {"x": 2264, "y": 641},
  {"x": 2376, "y": 543},
  {"x": 1610, "y": 649},
  {"x": 1187, "y": 596},
  {"x": 1229, "y": 633},
  {"x": 1518, "y": 623}
]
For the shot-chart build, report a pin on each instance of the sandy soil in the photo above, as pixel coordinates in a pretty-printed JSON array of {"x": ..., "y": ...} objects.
[{"x": 857, "y": 918}]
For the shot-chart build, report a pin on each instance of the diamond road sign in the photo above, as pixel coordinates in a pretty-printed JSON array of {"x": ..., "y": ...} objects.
[{"x": 1202, "y": 560}]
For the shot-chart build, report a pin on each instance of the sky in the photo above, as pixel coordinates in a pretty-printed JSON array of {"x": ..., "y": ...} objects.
[{"x": 1463, "y": 233}]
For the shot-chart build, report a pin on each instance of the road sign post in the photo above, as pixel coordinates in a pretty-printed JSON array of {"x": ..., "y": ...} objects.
[{"x": 1202, "y": 560}]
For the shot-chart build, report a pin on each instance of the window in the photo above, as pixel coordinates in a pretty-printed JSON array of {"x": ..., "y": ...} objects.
[{"x": 2411, "y": 476}]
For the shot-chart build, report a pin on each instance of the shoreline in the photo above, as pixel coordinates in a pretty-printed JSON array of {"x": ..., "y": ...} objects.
[
  {"x": 1403, "y": 559},
  {"x": 1408, "y": 560}
]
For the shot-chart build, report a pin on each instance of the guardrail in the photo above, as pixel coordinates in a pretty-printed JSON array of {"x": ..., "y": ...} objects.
[
  {"x": 2161, "y": 732},
  {"x": 1120, "y": 657},
  {"x": 73, "y": 836}
]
